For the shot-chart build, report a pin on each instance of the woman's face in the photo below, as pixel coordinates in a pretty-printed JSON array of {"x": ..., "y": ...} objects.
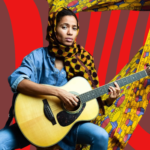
[{"x": 66, "y": 30}]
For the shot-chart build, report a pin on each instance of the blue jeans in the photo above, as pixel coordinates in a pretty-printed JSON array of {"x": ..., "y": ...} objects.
[{"x": 88, "y": 133}]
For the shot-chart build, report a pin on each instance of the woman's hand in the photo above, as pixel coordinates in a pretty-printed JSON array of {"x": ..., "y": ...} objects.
[
  {"x": 67, "y": 98},
  {"x": 114, "y": 94}
]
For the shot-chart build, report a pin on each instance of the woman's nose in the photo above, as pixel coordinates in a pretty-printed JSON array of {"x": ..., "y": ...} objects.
[{"x": 70, "y": 31}]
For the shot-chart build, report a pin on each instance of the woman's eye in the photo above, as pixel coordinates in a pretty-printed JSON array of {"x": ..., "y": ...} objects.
[{"x": 64, "y": 27}]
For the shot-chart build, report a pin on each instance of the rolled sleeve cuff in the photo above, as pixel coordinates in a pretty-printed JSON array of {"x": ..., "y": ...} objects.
[{"x": 17, "y": 81}]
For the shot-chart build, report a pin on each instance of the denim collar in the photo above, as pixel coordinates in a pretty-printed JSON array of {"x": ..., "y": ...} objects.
[{"x": 51, "y": 57}]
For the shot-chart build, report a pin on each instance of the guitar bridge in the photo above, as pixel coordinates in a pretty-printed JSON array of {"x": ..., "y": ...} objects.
[{"x": 48, "y": 112}]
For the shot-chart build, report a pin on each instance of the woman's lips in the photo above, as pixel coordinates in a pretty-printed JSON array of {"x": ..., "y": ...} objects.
[{"x": 69, "y": 39}]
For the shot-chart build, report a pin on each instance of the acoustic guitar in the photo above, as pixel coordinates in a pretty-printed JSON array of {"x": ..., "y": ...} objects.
[{"x": 44, "y": 120}]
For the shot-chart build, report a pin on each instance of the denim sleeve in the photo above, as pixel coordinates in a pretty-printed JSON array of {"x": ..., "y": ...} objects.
[{"x": 25, "y": 71}]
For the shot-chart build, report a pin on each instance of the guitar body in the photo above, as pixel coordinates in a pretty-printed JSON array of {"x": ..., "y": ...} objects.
[{"x": 44, "y": 121}]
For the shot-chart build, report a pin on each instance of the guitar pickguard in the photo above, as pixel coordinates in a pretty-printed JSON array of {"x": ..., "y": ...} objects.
[{"x": 64, "y": 118}]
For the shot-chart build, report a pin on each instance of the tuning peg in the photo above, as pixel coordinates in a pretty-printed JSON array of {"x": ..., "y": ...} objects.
[{"x": 147, "y": 65}]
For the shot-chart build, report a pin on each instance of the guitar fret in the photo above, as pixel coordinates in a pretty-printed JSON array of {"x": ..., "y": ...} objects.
[
  {"x": 133, "y": 78},
  {"x": 83, "y": 98},
  {"x": 143, "y": 73},
  {"x": 138, "y": 76},
  {"x": 110, "y": 84},
  {"x": 100, "y": 90},
  {"x": 120, "y": 82},
  {"x": 93, "y": 94},
  {"x": 129, "y": 79},
  {"x": 105, "y": 89},
  {"x": 125, "y": 81},
  {"x": 97, "y": 93},
  {"x": 89, "y": 97}
]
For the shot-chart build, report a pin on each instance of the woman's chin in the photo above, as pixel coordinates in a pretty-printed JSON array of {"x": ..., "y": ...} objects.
[
  {"x": 65, "y": 43},
  {"x": 68, "y": 44}
]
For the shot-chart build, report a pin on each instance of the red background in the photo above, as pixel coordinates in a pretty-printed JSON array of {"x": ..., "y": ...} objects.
[{"x": 113, "y": 38}]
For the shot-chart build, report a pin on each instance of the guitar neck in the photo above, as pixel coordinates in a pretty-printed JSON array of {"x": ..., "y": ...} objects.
[{"x": 104, "y": 89}]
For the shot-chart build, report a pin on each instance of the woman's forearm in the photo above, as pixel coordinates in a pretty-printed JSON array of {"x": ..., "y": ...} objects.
[
  {"x": 34, "y": 89},
  {"x": 31, "y": 88}
]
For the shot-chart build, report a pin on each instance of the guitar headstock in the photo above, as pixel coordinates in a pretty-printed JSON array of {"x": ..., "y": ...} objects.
[{"x": 148, "y": 70}]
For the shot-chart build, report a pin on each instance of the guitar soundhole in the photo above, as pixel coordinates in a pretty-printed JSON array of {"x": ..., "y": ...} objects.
[{"x": 65, "y": 118}]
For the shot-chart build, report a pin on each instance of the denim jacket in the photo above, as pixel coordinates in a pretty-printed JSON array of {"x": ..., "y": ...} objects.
[{"x": 39, "y": 67}]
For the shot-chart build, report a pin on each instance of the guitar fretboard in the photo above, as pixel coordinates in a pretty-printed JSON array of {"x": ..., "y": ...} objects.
[{"x": 104, "y": 89}]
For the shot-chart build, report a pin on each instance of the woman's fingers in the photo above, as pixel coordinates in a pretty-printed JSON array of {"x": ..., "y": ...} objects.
[
  {"x": 114, "y": 91},
  {"x": 116, "y": 84},
  {"x": 69, "y": 102},
  {"x": 75, "y": 98},
  {"x": 117, "y": 88},
  {"x": 68, "y": 98},
  {"x": 74, "y": 103}
]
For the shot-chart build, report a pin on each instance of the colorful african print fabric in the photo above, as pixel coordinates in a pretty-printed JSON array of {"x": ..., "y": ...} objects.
[{"x": 99, "y": 5}]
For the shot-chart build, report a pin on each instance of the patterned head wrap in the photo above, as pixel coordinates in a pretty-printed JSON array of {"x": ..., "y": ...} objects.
[{"x": 77, "y": 61}]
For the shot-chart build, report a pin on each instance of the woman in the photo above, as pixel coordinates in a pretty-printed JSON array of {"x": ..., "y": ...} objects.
[{"x": 55, "y": 65}]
